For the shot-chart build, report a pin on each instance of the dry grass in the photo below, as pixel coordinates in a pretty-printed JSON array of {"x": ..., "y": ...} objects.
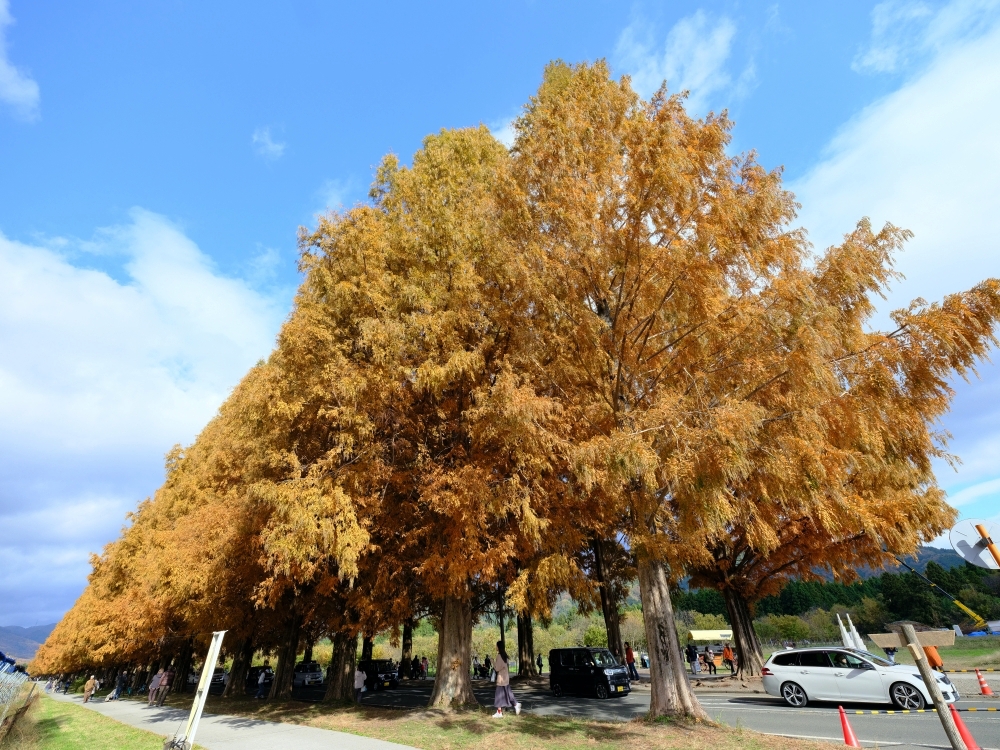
[{"x": 472, "y": 728}]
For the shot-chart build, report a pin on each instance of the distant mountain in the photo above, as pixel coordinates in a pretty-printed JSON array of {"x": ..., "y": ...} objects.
[
  {"x": 23, "y": 643},
  {"x": 946, "y": 558}
]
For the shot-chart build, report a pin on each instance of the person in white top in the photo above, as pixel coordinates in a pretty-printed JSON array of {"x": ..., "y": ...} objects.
[{"x": 359, "y": 683}]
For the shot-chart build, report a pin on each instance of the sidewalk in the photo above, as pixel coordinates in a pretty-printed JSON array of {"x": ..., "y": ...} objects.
[{"x": 228, "y": 732}]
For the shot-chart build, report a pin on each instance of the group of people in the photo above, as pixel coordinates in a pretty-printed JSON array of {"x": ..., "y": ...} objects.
[
  {"x": 704, "y": 661},
  {"x": 159, "y": 686}
]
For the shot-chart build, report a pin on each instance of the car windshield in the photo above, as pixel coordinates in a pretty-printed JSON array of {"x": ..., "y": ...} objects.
[
  {"x": 604, "y": 658},
  {"x": 877, "y": 660},
  {"x": 382, "y": 665}
]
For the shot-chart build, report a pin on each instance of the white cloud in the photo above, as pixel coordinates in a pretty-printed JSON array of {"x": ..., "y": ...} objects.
[
  {"x": 908, "y": 31},
  {"x": 265, "y": 146},
  {"x": 17, "y": 89},
  {"x": 927, "y": 157},
  {"x": 98, "y": 378},
  {"x": 503, "y": 131},
  {"x": 693, "y": 58}
]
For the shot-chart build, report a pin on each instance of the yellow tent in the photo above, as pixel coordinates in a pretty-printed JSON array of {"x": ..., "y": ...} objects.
[{"x": 711, "y": 635}]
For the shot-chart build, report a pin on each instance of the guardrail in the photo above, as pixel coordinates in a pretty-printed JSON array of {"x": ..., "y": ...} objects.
[{"x": 11, "y": 684}]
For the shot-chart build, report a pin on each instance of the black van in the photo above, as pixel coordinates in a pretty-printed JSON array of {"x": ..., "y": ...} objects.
[{"x": 590, "y": 671}]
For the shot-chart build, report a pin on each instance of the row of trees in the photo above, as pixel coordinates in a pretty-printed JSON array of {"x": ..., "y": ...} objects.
[{"x": 601, "y": 354}]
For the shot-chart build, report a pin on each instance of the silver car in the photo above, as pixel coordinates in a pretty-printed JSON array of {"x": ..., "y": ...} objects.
[
  {"x": 841, "y": 674},
  {"x": 307, "y": 673}
]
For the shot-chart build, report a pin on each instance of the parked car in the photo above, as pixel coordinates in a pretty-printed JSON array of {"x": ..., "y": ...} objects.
[
  {"x": 841, "y": 674},
  {"x": 307, "y": 673},
  {"x": 218, "y": 677},
  {"x": 588, "y": 671},
  {"x": 253, "y": 675},
  {"x": 381, "y": 673}
]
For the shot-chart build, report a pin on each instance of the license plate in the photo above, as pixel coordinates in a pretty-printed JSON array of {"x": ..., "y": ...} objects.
[
  {"x": 620, "y": 688},
  {"x": 385, "y": 684}
]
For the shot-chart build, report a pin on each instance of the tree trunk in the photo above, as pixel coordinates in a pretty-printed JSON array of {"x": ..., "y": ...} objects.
[
  {"x": 671, "y": 693},
  {"x": 307, "y": 655},
  {"x": 340, "y": 673},
  {"x": 184, "y": 660},
  {"x": 282, "y": 685},
  {"x": 503, "y": 634},
  {"x": 407, "y": 657},
  {"x": 749, "y": 655},
  {"x": 367, "y": 646},
  {"x": 525, "y": 647},
  {"x": 609, "y": 607},
  {"x": 242, "y": 660},
  {"x": 452, "y": 684}
]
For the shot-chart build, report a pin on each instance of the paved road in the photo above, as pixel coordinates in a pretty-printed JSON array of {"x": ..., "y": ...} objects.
[
  {"x": 761, "y": 713},
  {"x": 229, "y": 732}
]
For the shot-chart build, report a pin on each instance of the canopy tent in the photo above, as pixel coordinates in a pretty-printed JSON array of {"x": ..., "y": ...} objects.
[{"x": 711, "y": 635}]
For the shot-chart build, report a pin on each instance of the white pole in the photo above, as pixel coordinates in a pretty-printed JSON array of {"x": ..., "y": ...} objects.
[
  {"x": 858, "y": 643},
  {"x": 187, "y": 739},
  {"x": 844, "y": 637}
]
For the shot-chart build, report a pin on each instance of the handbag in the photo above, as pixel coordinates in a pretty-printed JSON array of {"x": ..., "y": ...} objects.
[{"x": 493, "y": 675}]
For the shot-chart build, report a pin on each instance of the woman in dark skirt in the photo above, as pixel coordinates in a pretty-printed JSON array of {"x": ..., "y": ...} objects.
[{"x": 504, "y": 695}]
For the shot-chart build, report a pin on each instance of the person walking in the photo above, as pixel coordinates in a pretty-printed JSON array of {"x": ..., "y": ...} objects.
[
  {"x": 692, "y": 656},
  {"x": 165, "y": 682},
  {"x": 262, "y": 681},
  {"x": 89, "y": 688},
  {"x": 425, "y": 667},
  {"x": 710, "y": 660},
  {"x": 504, "y": 696},
  {"x": 359, "y": 683},
  {"x": 415, "y": 667},
  {"x": 538, "y": 661},
  {"x": 630, "y": 662},
  {"x": 154, "y": 685},
  {"x": 727, "y": 656}
]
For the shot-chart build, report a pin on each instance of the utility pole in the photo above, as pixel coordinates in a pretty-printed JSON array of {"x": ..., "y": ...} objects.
[{"x": 950, "y": 730}]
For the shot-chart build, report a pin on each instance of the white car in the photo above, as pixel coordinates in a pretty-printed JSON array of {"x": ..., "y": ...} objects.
[
  {"x": 307, "y": 673},
  {"x": 840, "y": 674}
]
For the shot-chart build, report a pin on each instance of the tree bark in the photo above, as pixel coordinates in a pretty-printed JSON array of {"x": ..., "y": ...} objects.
[
  {"x": 609, "y": 607},
  {"x": 340, "y": 673},
  {"x": 407, "y": 657},
  {"x": 500, "y": 622},
  {"x": 241, "y": 666},
  {"x": 282, "y": 685},
  {"x": 671, "y": 693},
  {"x": 525, "y": 647},
  {"x": 452, "y": 684},
  {"x": 367, "y": 646},
  {"x": 307, "y": 655},
  {"x": 184, "y": 660},
  {"x": 749, "y": 654}
]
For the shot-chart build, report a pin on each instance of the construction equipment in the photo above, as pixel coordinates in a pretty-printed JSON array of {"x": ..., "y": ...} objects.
[{"x": 979, "y": 621}]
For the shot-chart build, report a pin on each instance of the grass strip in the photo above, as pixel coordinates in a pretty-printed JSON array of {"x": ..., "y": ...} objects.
[{"x": 53, "y": 725}]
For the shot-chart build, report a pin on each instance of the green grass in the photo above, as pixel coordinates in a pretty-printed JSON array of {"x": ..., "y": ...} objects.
[{"x": 52, "y": 725}]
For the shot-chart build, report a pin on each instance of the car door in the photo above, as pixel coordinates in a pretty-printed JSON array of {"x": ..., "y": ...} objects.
[
  {"x": 584, "y": 664},
  {"x": 857, "y": 679},
  {"x": 815, "y": 675}
]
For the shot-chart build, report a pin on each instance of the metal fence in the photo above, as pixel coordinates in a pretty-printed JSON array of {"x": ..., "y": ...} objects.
[{"x": 12, "y": 696}]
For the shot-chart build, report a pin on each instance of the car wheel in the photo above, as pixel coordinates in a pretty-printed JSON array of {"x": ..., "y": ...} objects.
[
  {"x": 602, "y": 691},
  {"x": 906, "y": 696},
  {"x": 794, "y": 695},
  {"x": 557, "y": 690}
]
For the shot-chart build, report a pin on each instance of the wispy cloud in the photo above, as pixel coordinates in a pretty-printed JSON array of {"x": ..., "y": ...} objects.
[
  {"x": 694, "y": 57},
  {"x": 17, "y": 89},
  {"x": 905, "y": 32},
  {"x": 98, "y": 378},
  {"x": 503, "y": 131},
  {"x": 266, "y": 146},
  {"x": 924, "y": 157}
]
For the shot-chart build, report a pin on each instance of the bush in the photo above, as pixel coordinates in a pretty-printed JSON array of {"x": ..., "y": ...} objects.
[
  {"x": 595, "y": 635},
  {"x": 782, "y": 628}
]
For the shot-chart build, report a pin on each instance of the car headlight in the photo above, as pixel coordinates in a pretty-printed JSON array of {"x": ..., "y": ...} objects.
[{"x": 609, "y": 672}]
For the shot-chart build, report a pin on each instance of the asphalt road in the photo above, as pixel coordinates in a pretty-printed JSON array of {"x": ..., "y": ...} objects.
[{"x": 761, "y": 713}]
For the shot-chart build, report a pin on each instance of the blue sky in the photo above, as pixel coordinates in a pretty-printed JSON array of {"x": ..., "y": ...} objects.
[{"x": 157, "y": 159}]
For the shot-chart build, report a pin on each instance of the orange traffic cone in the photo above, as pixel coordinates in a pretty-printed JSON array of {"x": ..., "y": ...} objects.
[
  {"x": 963, "y": 731},
  {"x": 851, "y": 739},
  {"x": 983, "y": 687}
]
